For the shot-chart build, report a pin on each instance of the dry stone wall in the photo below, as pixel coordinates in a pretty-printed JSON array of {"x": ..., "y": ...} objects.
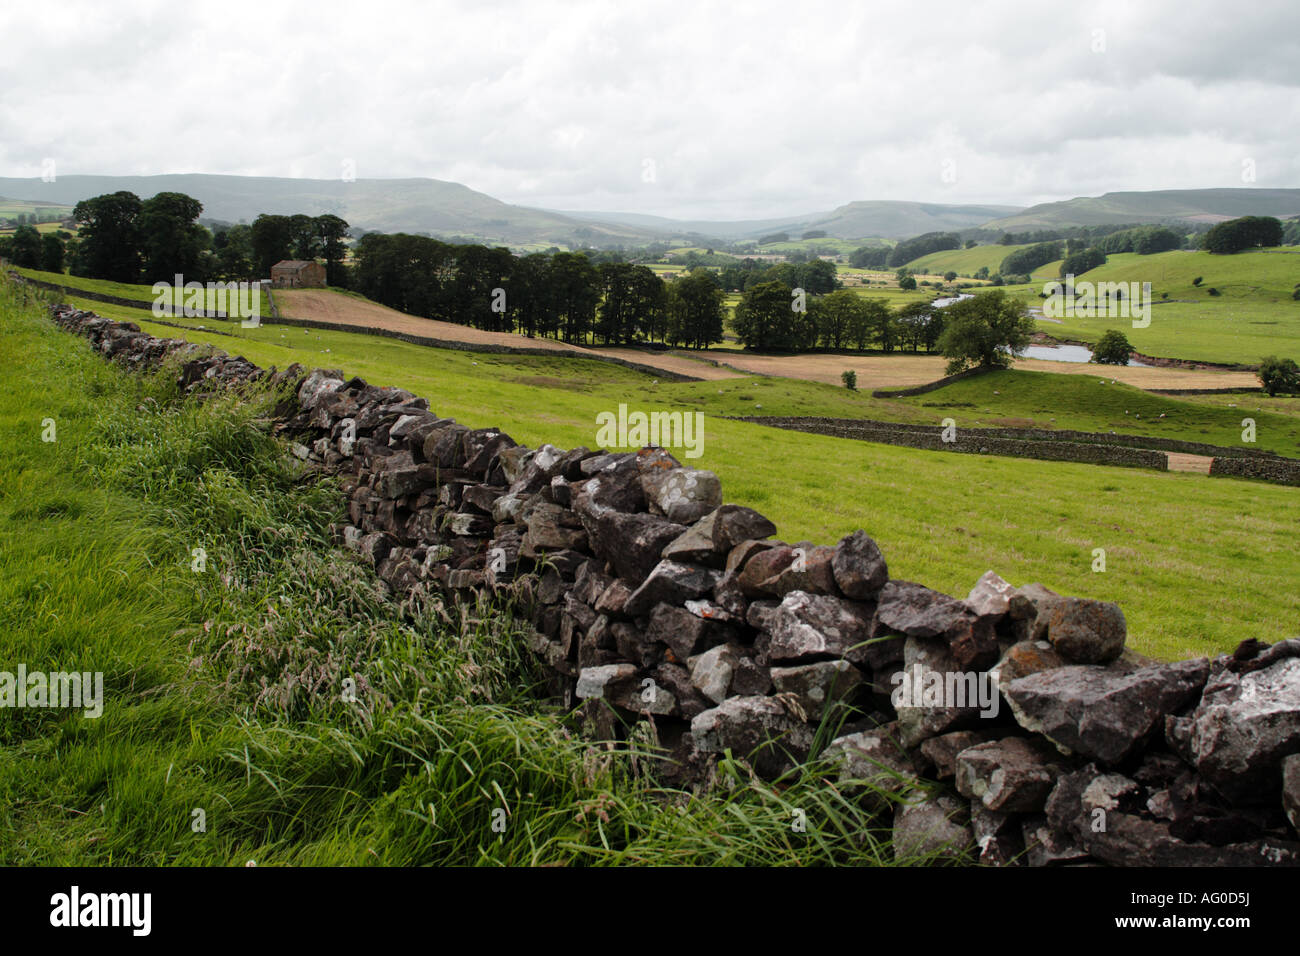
[
  {"x": 1283, "y": 471},
  {"x": 654, "y": 603},
  {"x": 971, "y": 441}
]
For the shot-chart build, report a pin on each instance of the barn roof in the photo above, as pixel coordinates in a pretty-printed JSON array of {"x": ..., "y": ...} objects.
[{"x": 293, "y": 264}]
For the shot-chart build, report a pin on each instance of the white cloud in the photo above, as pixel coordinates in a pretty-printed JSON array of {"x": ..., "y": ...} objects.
[{"x": 745, "y": 110}]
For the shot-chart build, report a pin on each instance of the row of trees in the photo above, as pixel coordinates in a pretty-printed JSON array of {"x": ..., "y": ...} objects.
[
  {"x": 773, "y": 315},
  {"x": 816, "y": 276},
  {"x": 29, "y": 249},
  {"x": 563, "y": 295},
  {"x": 123, "y": 238},
  {"x": 1248, "y": 232},
  {"x": 126, "y": 239}
]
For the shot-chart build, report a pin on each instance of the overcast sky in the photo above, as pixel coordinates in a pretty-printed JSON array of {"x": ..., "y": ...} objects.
[{"x": 699, "y": 109}]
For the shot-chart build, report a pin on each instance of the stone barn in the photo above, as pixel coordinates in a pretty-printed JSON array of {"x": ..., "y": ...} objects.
[{"x": 297, "y": 274}]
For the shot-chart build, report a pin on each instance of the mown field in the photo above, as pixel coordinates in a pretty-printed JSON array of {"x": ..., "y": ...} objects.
[
  {"x": 941, "y": 519},
  {"x": 225, "y": 737}
]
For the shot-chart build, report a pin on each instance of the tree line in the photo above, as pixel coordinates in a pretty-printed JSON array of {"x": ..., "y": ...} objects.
[
  {"x": 563, "y": 295},
  {"x": 774, "y": 315}
]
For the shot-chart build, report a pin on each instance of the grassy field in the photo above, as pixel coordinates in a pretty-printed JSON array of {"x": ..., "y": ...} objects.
[
  {"x": 1253, "y": 316},
  {"x": 123, "y": 290},
  {"x": 225, "y": 738},
  {"x": 941, "y": 519},
  {"x": 964, "y": 262}
]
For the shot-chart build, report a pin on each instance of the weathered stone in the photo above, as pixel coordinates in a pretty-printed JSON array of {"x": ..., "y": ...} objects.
[
  {"x": 316, "y": 386},
  {"x": 1031, "y": 606},
  {"x": 676, "y": 679},
  {"x": 407, "y": 425},
  {"x": 991, "y": 595},
  {"x": 859, "y": 567},
  {"x": 513, "y": 460},
  {"x": 481, "y": 497},
  {"x": 471, "y": 525},
  {"x": 695, "y": 545},
  {"x": 711, "y": 671},
  {"x": 682, "y": 495},
  {"x": 973, "y": 643},
  {"x": 1243, "y": 727},
  {"x": 442, "y": 446},
  {"x": 633, "y": 543},
  {"x": 919, "y": 719},
  {"x": 613, "y": 599},
  {"x": 683, "y": 633},
  {"x": 1099, "y": 810},
  {"x": 932, "y": 827},
  {"x": 631, "y": 644},
  {"x": 1024, "y": 658},
  {"x": 818, "y": 685},
  {"x": 1045, "y": 846},
  {"x": 376, "y": 545},
  {"x": 713, "y": 537},
  {"x": 1012, "y": 774},
  {"x": 1100, "y": 713},
  {"x": 1291, "y": 789},
  {"x": 760, "y": 615},
  {"x": 759, "y": 729},
  {"x": 592, "y": 681},
  {"x": 1087, "y": 631},
  {"x": 552, "y": 528},
  {"x": 589, "y": 584},
  {"x": 709, "y": 611},
  {"x": 874, "y": 762},
  {"x": 734, "y": 524},
  {"x": 810, "y": 571},
  {"x": 807, "y": 626},
  {"x": 482, "y": 446},
  {"x": 398, "y": 482},
  {"x": 642, "y": 694},
  {"x": 614, "y": 485},
  {"x": 999, "y": 837},
  {"x": 729, "y": 598},
  {"x": 671, "y": 583},
  {"x": 507, "y": 508},
  {"x": 918, "y": 611},
  {"x": 760, "y": 570},
  {"x": 942, "y": 751},
  {"x": 740, "y": 554}
]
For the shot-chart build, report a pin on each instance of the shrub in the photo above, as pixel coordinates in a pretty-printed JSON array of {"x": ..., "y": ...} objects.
[
  {"x": 850, "y": 379},
  {"x": 1112, "y": 349},
  {"x": 1279, "y": 375}
]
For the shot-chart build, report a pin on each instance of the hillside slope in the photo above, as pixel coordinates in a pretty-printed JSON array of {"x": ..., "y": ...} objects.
[
  {"x": 1187, "y": 205},
  {"x": 386, "y": 205}
]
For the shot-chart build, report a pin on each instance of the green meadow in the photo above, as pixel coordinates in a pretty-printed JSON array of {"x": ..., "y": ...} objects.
[
  {"x": 964, "y": 262},
  {"x": 941, "y": 519},
  {"x": 1252, "y": 316}
]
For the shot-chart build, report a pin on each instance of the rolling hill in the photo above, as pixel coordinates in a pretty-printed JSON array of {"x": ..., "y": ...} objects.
[
  {"x": 1164, "y": 205},
  {"x": 900, "y": 220},
  {"x": 387, "y": 205}
]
